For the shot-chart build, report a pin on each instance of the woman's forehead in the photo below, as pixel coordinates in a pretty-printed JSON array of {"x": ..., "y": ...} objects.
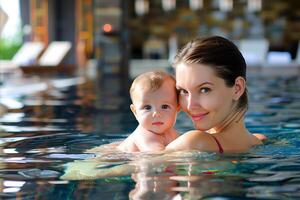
[
  {"x": 196, "y": 74},
  {"x": 194, "y": 69}
]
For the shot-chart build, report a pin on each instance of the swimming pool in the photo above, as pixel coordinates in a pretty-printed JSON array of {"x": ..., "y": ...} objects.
[{"x": 56, "y": 122}]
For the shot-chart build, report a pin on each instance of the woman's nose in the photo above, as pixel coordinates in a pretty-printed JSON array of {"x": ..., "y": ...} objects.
[{"x": 191, "y": 103}]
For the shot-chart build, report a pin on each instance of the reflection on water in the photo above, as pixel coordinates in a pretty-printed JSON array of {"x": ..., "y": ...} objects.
[{"x": 51, "y": 123}]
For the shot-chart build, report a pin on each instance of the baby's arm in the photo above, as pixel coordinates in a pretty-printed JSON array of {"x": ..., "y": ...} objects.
[
  {"x": 128, "y": 145},
  {"x": 105, "y": 148}
]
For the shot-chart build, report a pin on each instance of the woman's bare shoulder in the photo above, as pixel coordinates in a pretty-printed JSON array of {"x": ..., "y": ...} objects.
[
  {"x": 193, "y": 134},
  {"x": 188, "y": 140}
]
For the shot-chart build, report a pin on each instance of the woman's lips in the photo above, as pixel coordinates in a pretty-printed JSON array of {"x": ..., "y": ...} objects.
[
  {"x": 157, "y": 123},
  {"x": 197, "y": 117}
]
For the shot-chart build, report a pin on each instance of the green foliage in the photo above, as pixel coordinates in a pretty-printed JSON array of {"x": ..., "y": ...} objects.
[{"x": 8, "y": 48}]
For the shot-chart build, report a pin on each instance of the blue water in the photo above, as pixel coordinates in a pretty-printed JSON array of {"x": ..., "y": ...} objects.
[{"x": 60, "y": 119}]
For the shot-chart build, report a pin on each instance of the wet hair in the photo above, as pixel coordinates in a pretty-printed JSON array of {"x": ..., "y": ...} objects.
[
  {"x": 150, "y": 82},
  {"x": 221, "y": 55}
]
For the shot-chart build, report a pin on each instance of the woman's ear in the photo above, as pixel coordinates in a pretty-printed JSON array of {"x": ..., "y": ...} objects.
[{"x": 239, "y": 87}]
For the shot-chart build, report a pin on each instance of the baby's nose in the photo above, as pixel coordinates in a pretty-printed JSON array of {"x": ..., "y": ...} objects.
[{"x": 156, "y": 113}]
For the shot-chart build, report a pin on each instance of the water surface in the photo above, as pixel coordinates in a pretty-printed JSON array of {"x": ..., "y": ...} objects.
[{"x": 51, "y": 123}]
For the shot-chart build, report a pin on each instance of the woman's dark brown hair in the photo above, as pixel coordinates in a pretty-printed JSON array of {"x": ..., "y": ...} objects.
[{"x": 220, "y": 54}]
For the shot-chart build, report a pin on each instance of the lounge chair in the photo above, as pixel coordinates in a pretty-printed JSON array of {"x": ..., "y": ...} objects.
[
  {"x": 27, "y": 55},
  {"x": 51, "y": 60}
]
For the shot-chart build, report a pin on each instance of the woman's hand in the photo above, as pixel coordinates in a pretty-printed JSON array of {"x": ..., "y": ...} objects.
[{"x": 260, "y": 136}]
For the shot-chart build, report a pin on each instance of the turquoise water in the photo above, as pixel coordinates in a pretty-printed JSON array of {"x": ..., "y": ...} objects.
[{"x": 58, "y": 121}]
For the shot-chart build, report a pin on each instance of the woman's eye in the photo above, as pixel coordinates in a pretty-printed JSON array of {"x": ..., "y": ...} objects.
[
  {"x": 182, "y": 92},
  {"x": 165, "y": 106},
  {"x": 147, "y": 107},
  {"x": 205, "y": 90}
]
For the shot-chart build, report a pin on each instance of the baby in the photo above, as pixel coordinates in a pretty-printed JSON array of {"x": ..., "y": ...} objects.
[{"x": 155, "y": 106}]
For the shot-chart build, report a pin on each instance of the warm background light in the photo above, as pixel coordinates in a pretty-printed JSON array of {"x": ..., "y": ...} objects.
[{"x": 107, "y": 28}]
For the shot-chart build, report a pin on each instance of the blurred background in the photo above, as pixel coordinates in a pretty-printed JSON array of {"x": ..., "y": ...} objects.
[{"x": 109, "y": 42}]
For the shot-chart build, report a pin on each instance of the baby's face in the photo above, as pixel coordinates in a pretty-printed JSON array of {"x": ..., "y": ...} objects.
[{"x": 156, "y": 111}]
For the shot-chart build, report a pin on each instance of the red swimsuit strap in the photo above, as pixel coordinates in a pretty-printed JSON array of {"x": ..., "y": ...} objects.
[{"x": 218, "y": 143}]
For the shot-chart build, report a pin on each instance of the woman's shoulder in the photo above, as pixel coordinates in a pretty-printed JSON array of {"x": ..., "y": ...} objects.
[
  {"x": 193, "y": 134},
  {"x": 189, "y": 140}
]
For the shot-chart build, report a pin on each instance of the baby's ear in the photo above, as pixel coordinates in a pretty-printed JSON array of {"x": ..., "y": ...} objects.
[
  {"x": 178, "y": 108},
  {"x": 133, "y": 110}
]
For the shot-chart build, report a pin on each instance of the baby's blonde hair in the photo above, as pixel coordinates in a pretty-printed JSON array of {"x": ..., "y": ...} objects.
[{"x": 150, "y": 81}]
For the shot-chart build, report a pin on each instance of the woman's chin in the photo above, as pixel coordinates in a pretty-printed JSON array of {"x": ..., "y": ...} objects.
[{"x": 200, "y": 128}]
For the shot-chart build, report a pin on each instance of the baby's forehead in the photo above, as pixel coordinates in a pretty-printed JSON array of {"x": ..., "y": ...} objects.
[
  {"x": 153, "y": 96},
  {"x": 144, "y": 91},
  {"x": 149, "y": 87}
]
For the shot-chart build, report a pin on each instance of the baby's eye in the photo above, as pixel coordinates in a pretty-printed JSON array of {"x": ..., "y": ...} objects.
[
  {"x": 182, "y": 92},
  {"x": 147, "y": 107},
  {"x": 165, "y": 106},
  {"x": 205, "y": 90}
]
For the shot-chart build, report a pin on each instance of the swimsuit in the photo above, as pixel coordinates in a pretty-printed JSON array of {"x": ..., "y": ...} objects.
[{"x": 219, "y": 145}]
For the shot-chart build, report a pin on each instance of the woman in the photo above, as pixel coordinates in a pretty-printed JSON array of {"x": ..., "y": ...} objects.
[{"x": 211, "y": 81}]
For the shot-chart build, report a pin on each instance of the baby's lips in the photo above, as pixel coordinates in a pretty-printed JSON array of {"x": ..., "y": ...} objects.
[{"x": 157, "y": 123}]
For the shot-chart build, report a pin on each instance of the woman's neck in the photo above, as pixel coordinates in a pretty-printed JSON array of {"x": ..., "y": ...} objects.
[{"x": 234, "y": 121}]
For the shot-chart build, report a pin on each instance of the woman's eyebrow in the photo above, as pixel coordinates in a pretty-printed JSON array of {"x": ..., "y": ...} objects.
[
  {"x": 205, "y": 83},
  {"x": 200, "y": 85}
]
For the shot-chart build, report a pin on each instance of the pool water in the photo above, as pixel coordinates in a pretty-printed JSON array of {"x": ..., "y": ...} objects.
[{"x": 54, "y": 122}]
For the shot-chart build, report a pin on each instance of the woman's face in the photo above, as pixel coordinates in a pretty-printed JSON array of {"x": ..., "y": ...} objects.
[{"x": 203, "y": 95}]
